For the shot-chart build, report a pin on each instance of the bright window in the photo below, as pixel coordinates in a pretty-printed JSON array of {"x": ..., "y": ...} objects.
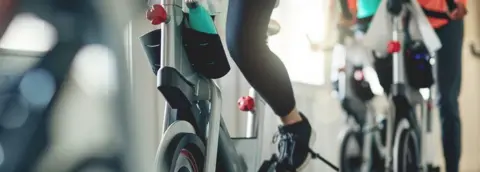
[
  {"x": 28, "y": 33},
  {"x": 297, "y": 21}
]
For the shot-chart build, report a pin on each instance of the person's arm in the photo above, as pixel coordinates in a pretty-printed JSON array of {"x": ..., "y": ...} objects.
[
  {"x": 352, "y": 6},
  {"x": 457, "y": 9},
  {"x": 463, "y": 2},
  {"x": 347, "y": 8},
  {"x": 452, "y": 4}
]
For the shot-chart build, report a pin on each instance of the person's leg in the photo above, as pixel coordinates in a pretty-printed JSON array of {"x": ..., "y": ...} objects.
[
  {"x": 247, "y": 24},
  {"x": 449, "y": 73}
]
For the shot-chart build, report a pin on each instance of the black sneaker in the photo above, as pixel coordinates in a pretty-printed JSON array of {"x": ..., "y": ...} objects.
[{"x": 294, "y": 142}]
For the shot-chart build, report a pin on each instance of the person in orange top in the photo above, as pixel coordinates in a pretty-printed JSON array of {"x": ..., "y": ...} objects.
[
  {"x": 449, "y": 64},
  {"x": 442, "y": 6},
  {"x": 449, "y": 75}
]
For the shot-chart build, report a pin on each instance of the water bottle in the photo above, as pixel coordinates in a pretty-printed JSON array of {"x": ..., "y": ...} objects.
[{"x": 200, "y": 20}]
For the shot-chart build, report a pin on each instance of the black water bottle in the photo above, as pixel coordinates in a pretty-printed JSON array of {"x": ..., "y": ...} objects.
[
  {"x": 418, "y": 66},
  {"x": 360, "y": 85}
]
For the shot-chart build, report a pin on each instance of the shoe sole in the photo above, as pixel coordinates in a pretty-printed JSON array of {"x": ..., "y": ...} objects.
[{"x": 313, "y": 137}]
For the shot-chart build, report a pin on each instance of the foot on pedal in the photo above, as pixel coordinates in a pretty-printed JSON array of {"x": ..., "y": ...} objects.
[{"x": 294, "y": 142}]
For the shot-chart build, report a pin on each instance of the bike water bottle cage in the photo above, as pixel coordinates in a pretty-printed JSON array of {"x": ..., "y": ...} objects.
[
  {"x": 204, "y": 51},
  {"x": 360, "y": 85},
  {"x": 418, "y": 67}
]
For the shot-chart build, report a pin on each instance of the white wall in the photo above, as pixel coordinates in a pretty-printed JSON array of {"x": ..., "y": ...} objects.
[{"x": 470, "y": 94}]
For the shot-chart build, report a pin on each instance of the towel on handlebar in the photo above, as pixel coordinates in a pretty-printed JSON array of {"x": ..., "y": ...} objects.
[{"x": 380, "y": 31}]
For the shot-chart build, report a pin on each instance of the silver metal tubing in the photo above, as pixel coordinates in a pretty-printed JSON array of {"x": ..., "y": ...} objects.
[
  {"x": 166, "y": 117},
  {"x": 172, "y": 51},
  {"x": 259, "y": 126},
  {"x": 426, "y": 130},
  {"x": 423, "y": 134},
  {"x": 252, "y": 116},
  {"x": 214, "y": 128},
  {"x": 368, "y": 135},
  {"x": 342, "y": 76},
  {"x": 168, "y": 52},
  {"x": 390, "y": 133},
  {"x": 398, "y": 64},
  {"x": 169, "y": 34},
  {"x": 397, "y": 78},
  {"x": 342, "y": 83},
  {"x": 429, "y": 111}
]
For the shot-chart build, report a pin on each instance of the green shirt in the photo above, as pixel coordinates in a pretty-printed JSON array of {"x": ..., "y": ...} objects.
[{"x": 367, "y": 8}]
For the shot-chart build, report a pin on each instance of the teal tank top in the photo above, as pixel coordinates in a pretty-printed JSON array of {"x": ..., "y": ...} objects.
[{"x": 367, "y": 8}]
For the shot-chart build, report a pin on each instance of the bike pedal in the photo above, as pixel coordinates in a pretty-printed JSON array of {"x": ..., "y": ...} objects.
[
  {"x": 269, "y": 165},
  {"x": 431, "y": 168},
  {"x": 435, "y": 169}
]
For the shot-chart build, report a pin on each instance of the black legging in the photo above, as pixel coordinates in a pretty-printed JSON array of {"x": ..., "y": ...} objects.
[{"x": 247, "y": 24}]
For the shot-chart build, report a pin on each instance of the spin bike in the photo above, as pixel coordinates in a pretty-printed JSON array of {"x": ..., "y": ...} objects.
[
  {"x": 404, "y": 147},
  {"x": 363, "y": 139},
  {"x": 195, "y": 137}
]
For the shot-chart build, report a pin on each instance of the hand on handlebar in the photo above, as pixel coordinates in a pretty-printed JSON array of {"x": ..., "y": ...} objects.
[
  {"x": 343, "y": 22},
  {"x": 459, "y": 12}
]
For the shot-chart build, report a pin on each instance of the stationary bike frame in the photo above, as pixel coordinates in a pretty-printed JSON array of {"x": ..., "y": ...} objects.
[
  {"x": 422, "y": 122},
  {"x": 398, "y": 93},
  {"x": 398, "y": 97},
  {"x": 369, "y": 130},
  {"x": 176, "y": 71}
]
